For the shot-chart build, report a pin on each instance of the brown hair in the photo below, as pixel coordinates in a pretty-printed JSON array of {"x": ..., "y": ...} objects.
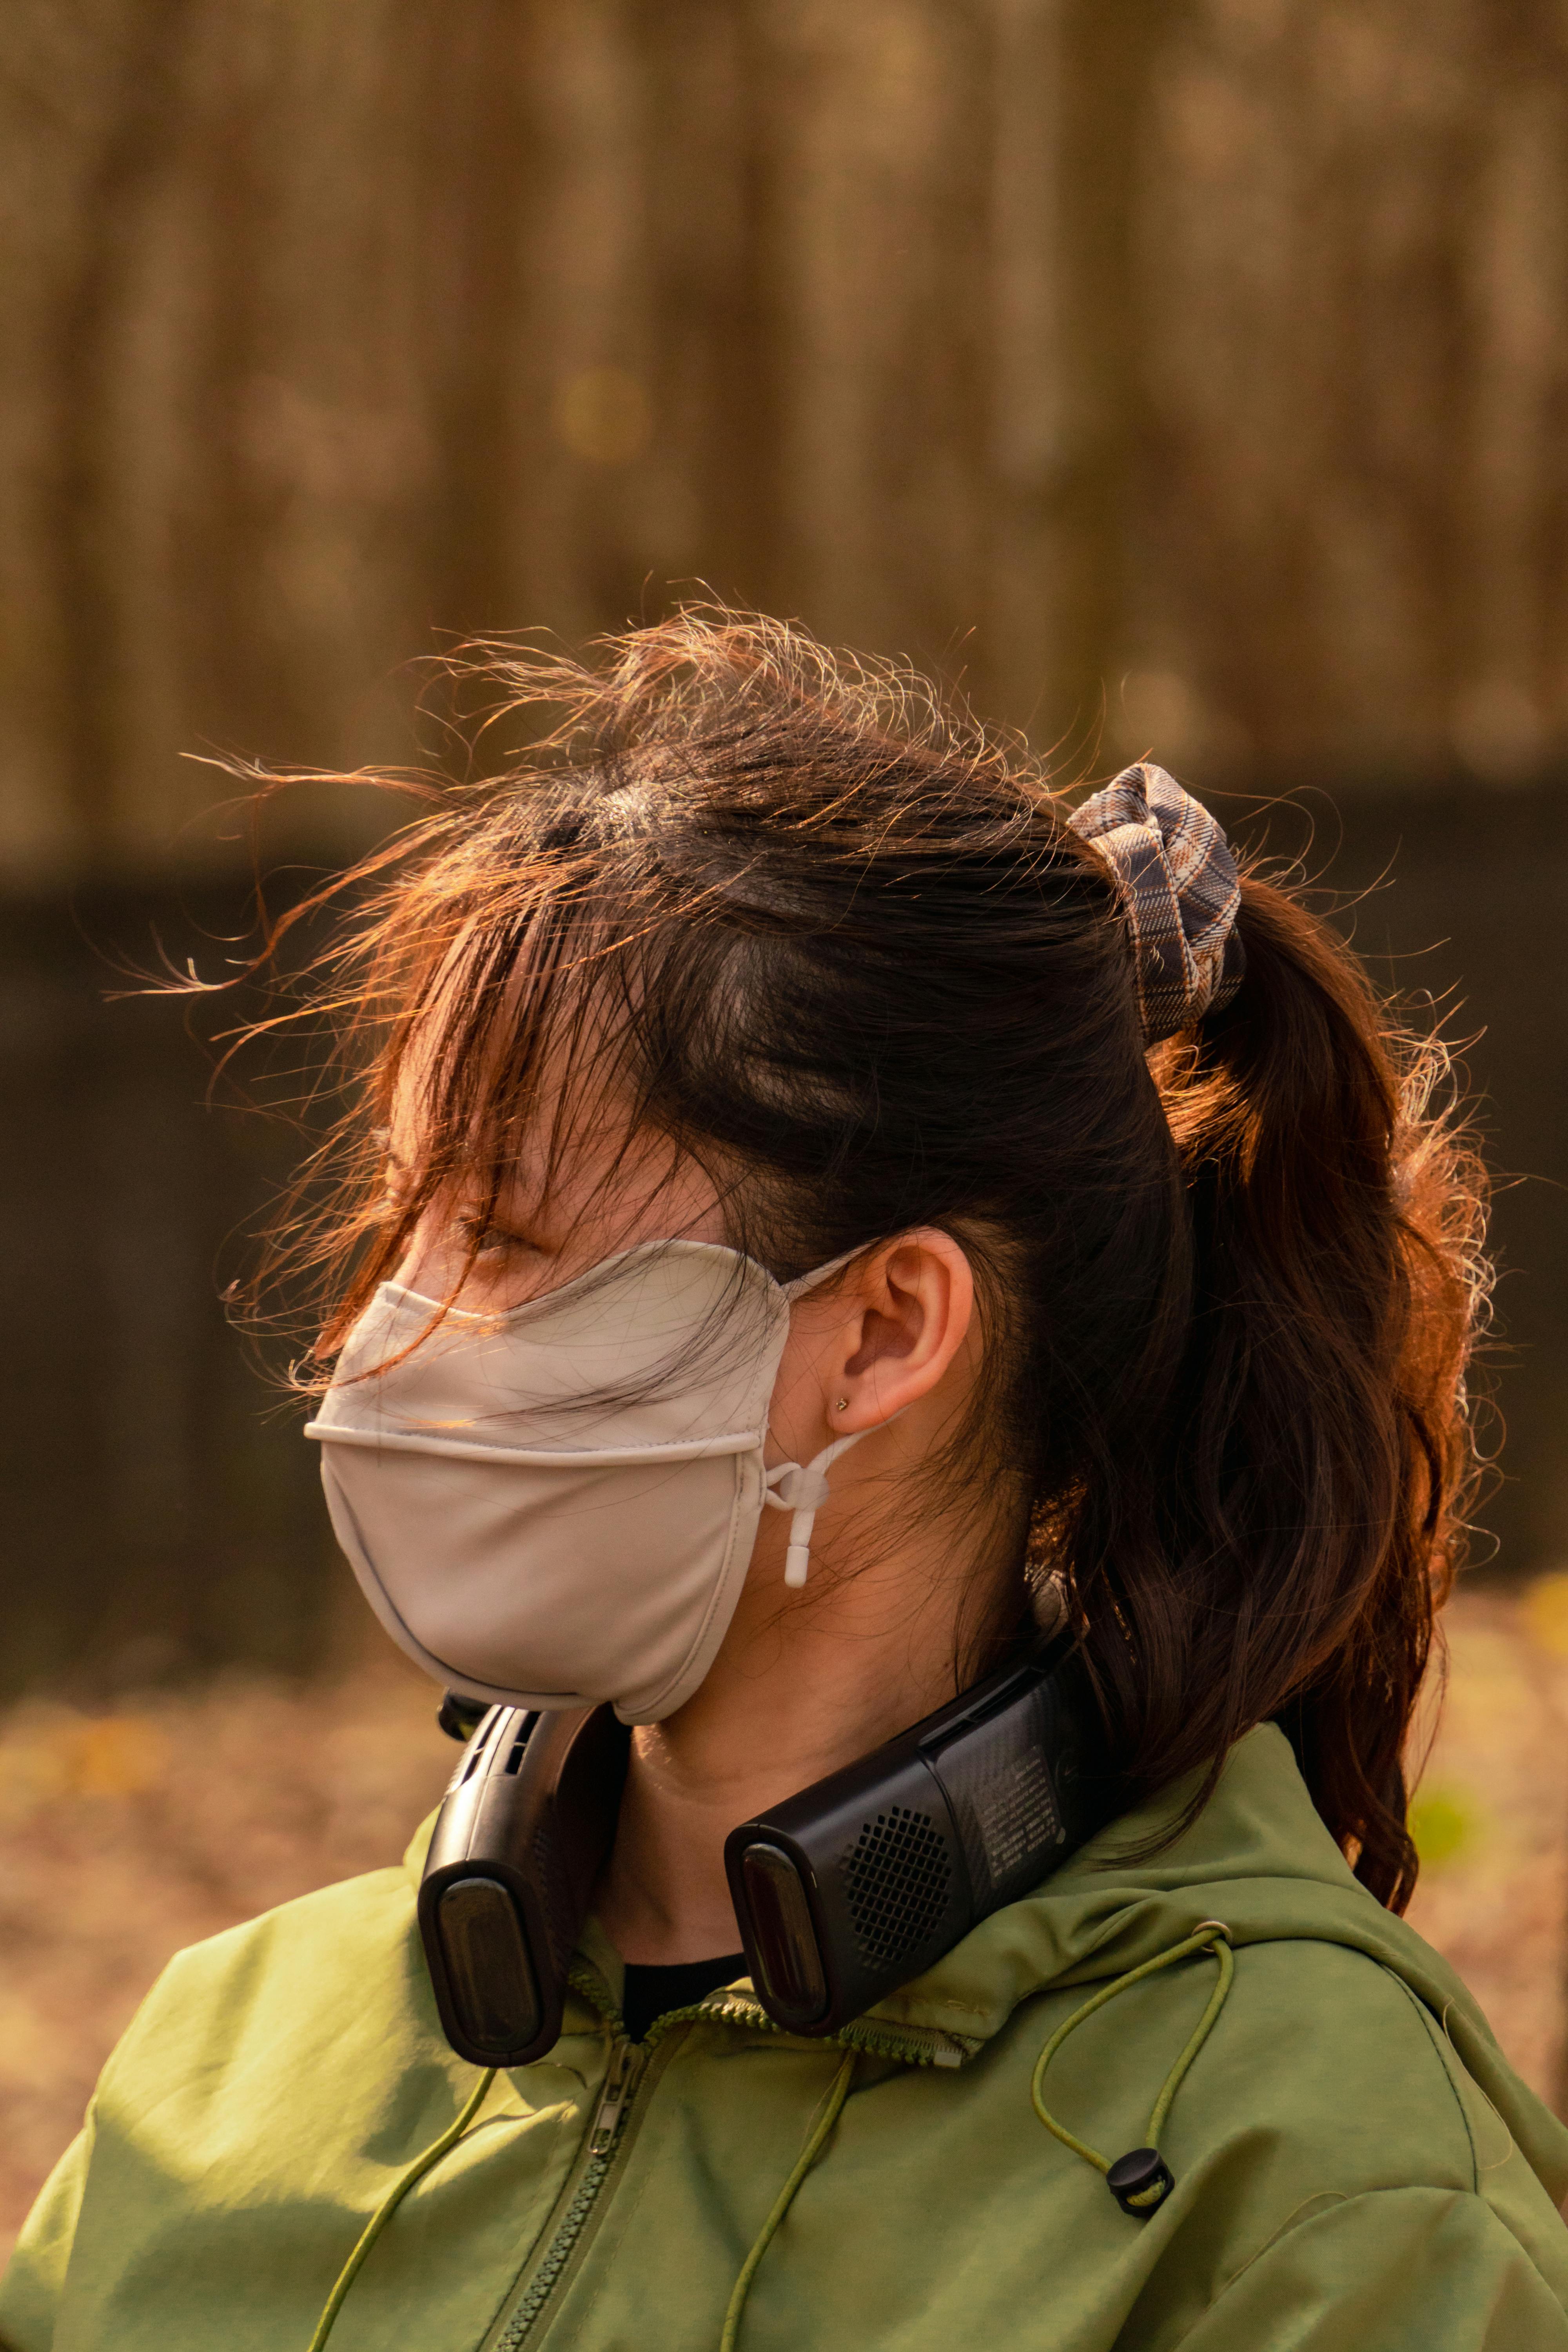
[{"x": 860, "y": 966}]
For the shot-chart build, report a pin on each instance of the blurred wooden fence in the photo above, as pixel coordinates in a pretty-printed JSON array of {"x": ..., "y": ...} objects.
[
  {"x": 1196, "y": 367},
  {"x": 159, "y": 1511},
  {"x": 1188, "y": 376}
]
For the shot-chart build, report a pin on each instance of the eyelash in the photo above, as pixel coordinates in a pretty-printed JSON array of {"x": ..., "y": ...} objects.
[{"x": 484, "y": 1238}]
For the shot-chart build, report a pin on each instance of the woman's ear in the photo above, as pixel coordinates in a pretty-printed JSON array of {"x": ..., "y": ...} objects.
[
  {"x": 875, "y": 1344},
  {"x": 912, "y": 1302}
]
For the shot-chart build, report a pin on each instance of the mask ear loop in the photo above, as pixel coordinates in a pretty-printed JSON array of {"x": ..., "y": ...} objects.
[{"x": 802, "y": 1487}]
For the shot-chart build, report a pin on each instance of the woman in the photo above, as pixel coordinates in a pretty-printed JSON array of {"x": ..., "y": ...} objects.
[{"x": 1074, "y": 1230}]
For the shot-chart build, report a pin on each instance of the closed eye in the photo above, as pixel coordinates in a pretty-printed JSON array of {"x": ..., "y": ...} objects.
[{"x": 484, "y": 1238}]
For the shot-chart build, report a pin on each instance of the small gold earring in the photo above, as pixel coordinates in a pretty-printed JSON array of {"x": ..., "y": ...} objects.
[{"x": 840, "y": 1405}]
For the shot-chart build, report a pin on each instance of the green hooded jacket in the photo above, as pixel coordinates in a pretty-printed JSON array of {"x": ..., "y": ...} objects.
[{"x": 1356, "y": 2165}]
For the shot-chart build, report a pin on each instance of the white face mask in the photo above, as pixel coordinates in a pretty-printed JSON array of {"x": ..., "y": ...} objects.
[{"x": 527, "y": 1541}]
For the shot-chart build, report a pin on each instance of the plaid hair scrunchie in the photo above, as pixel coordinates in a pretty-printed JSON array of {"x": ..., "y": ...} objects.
[{"x": 1179, "y": 887}]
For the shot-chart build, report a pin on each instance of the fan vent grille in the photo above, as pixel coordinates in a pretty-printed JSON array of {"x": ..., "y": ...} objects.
[
  {"x": 549, "y": 1884},
  {"x": 897, "y": 1876}
]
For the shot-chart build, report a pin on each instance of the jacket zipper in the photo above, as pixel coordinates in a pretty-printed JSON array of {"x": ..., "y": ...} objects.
[
  {"x": 914, "y": 2044},
  {"x": 624, "y": 2070},
  {"x": 911, "y": 2045}
]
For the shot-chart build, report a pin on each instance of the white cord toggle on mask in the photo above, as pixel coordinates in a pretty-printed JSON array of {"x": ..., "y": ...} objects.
[
  {"x": 802, "y": 1487},
  {"x": 556, "y": 1505}
]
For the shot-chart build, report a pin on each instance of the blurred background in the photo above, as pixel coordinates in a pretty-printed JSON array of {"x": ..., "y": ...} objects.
[{"x": 1188, "y": 377}]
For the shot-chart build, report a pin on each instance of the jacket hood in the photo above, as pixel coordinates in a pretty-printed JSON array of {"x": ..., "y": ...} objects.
[{"x": 1259, "y": 1858}]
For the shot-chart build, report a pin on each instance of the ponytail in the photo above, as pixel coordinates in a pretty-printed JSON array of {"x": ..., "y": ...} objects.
[{"x": 1312, "y": 1466}]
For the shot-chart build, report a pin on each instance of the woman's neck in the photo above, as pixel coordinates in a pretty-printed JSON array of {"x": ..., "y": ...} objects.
[{"x": 803, "y": 1685}]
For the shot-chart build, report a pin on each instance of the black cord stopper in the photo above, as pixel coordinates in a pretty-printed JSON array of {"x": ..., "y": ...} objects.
[{"x": 1139, "y": 2181}]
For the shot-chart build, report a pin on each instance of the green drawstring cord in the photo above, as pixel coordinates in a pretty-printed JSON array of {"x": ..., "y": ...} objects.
[
  {"x": 808, "y": 2155},
  {"x": 454, "y": 2133},
  {"x": 1146, "y": 2178},
  {"x": 1141, "y": 2180},
  {"x": 389, "y": 2205}
]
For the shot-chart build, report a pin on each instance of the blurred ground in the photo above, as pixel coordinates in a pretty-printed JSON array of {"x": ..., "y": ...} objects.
[
  {"x": 125, "y": 1835},
  {"x": 1491, "y": 1817}
]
